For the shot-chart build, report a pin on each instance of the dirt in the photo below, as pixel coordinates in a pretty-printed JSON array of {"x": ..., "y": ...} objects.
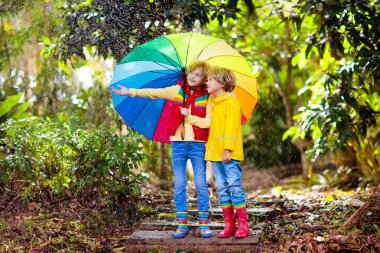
[{"x": 305, "y": 221}]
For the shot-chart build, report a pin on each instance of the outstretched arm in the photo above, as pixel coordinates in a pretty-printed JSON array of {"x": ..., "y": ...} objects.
[{"x": 168, "y": 93}]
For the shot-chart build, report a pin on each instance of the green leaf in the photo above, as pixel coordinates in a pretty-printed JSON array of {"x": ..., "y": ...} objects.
[
  {"x": 65, "y": 67},
  {"x": 20, "y": 112},
  {"x": 328, "y": 198},
  {"x": 45, "y": 40},
  {"x": 9, "y": 103}
]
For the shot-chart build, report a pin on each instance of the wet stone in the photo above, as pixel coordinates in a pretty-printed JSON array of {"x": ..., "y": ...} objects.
[
  {"x": 273, "y": 202},
  {"x": 171, "y": 225},
  {"x": 157, "y": 234},
  {"x": 166, "y": 236},
  {"x": 216, "y": 213},
  {"x": 143, "y": 239},
  {"x": 260, "y": 211}
]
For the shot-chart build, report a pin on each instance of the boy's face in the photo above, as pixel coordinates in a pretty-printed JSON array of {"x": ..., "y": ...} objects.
[
  {"x": 195, "y": 77},
  {"x": 214, "y": 87}
]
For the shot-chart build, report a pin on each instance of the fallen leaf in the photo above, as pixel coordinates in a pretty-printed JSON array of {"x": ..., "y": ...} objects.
[
  {"x": 32, "y": 206},
  {"x": 319, "y": 239},
  {"x": 118, "y": 249}
]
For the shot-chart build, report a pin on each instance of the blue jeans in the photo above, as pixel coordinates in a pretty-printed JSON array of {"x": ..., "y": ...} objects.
[
  {"x": 228, "y": 181},
  {"x": 195, "y": 151}
]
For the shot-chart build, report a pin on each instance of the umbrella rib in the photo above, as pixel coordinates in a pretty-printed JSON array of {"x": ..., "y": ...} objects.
[
  {"x": 178, "y": 58},
  {"x": 160, "y": 117},
  {"x": 149, "y": 101},
  {"x": 176, "y": 54},
  {"x": 232, "y": 70},
  {"x": 196, "y": 58},
  {"x": 141, "y": 111},
  {"x": 227, "y": 67},
  {"x": 158, "y": 71},
  {"x": 162, "y": 79},
  {"x": 144, "y": 109},
  {"x": 219, "y": 56},
  {"x": 154, "y": 71},
  {"x": 160, "y": 64},
  {"x": 168, "y": 59},
  {"x": 187, "y": 51}
]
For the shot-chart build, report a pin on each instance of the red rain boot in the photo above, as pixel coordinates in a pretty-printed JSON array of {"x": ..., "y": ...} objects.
[
  {"x": 230, "y": 227},
  {"x": 243, "y": 229}
]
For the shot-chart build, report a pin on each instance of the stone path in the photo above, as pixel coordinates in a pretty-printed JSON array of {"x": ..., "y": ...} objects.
[
  {"x": 156, "y": 235},
  {"x": 144, "y": 240}
]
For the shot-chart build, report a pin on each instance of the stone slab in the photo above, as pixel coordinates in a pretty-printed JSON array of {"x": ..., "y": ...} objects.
[
  {"x": 260, "y": 211},
  {"x": 216, "y": 213},
  {"x": 162, "y": 225},
  {"x": 176, "y": 248},
  {"x": 154, "y": 237},
  {"x": 266, "y": 203}
]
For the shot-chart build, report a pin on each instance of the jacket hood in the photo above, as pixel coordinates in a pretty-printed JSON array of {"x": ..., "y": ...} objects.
[{"x": 223, "y": 97}]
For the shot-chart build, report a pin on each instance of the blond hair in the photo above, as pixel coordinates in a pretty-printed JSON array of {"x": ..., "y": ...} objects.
[
  {"x": 223, "y": 76},
  {"x": 199, "y": 64}
]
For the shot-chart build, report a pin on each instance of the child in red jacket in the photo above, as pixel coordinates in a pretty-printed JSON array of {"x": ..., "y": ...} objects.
[{"x": 192, "y": 146}]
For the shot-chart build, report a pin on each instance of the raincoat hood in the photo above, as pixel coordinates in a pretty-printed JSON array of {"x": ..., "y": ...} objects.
[{"x": 222, "y": 97}]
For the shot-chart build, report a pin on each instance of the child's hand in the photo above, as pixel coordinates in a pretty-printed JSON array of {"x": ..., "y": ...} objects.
[
  {"x": 226, "y": 156},
  {"x": 183, "y": 111},
  {"x": 123, "y": 91}
]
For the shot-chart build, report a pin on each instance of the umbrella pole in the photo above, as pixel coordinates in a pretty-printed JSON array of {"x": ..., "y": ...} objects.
[{"x": 182, "y": 128}]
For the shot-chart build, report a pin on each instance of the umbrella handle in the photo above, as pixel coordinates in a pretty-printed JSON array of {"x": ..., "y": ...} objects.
[{"x": 182, "y": 130}]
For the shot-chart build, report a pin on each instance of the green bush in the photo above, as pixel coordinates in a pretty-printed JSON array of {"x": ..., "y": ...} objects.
[{"x": 38, "y": 154}]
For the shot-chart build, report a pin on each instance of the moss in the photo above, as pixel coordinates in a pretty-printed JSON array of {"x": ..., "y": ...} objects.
[{"x": 168, "y": 216}]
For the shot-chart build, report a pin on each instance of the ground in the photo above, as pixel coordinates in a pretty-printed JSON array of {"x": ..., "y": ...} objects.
[{"x": 304, "y": 221}]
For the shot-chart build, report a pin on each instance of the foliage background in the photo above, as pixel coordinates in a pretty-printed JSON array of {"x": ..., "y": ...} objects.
[{"x": 316, "y": 63}]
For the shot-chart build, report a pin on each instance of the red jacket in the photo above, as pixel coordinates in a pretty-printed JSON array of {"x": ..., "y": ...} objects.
[{"x": 197, "y": 99}]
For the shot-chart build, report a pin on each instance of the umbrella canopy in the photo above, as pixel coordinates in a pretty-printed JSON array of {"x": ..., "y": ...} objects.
[{"x": 161, "y": 63}]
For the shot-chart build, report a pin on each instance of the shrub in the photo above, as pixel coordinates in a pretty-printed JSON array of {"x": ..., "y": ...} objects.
[{"x": 38, "y": 154}]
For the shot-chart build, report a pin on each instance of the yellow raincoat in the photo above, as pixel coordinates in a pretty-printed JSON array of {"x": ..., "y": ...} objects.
[{"x": 225, "y": 129}]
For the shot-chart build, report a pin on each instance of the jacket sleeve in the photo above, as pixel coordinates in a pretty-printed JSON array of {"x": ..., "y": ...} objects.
[
  {"x": 232, "y": 124},
  {"x": 168, "y": 93},
  {"x": 206, "y": 121}
]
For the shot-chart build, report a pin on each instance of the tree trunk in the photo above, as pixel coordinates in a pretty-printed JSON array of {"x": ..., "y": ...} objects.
[
  {"x": 346, "y": 157},
  {"x": 307, "y": 168},
  {"x": 28, "y": 92},
  {"x": 163, "y": 167},
  {"x": 285, "y": 90},
  {"x": 9, "y": 84}
]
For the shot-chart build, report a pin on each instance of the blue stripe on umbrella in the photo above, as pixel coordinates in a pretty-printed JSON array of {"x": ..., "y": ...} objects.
[
  {"x": 159, "y": 79},
  {"x": 130, "y": 69},
  {"x": 147, "y": 120},
  {"x": 143, "y": 114},
  {"x": 144, "y": 121}
]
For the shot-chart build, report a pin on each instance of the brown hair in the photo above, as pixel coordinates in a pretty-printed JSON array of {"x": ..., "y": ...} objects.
[
  {"x": 224, "y": 76},
  {"x": 199, "y": 64}
]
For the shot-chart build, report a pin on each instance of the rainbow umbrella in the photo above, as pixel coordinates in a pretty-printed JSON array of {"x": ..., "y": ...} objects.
[{"x": 161, "y": 63}]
